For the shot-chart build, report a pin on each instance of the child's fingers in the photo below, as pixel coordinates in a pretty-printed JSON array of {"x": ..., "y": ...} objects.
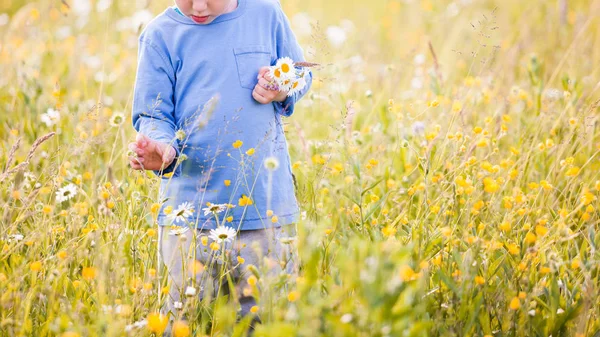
[
  {"x": 262, "y": 71},
  {"x": 133, "y": 147},
  {"x": 264, "y": 92},
  {"x": 267, "y": 76},
  {"x": 136, "y": 159},
  {"x": 258, "y": 97},
  {"x": 141, "y": 140},
  {"x": 267, "y": 85},
  {"x": 136, "y": 164}
]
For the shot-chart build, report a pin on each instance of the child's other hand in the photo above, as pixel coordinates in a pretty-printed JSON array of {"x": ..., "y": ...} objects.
[
  {"x": 264, "y": 92},
  {"x": 152, "y": 155}
]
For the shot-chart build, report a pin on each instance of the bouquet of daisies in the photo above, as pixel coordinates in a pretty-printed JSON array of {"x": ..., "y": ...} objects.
[{"x": 289, "y": 76}]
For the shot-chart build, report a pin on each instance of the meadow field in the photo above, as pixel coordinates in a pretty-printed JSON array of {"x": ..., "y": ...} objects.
[{"x": 446, "y": 156}]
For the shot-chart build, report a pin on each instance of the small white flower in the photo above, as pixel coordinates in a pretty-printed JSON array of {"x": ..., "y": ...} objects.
[
  {"x": 336, "y": 35},
  {"x": 531, "y": 312},
  {"x": 4, "y": 19},
  {"x": 559, "y": 311},
  {"x": 183, "y": 211},
  {"x": 287, "y": 239},
  {"x": 190, "y": 291},
  {"x": 416, "y": 83},
  {"x": 301, "y": 23},
  {"x": 222, "y": 234},
  {"x": 103, "y": 5},
  {"x": 66, "y": 193},
  {"x": 271, "y": 163},
  {"x": 15, "y": 237},
  {"x": 180, "y": 134},
  {"x": 28, "y": 178},
  {"x": 217, "y": 208},
  {"x": 419, "y": 59},
  {"x": 177, "y": 305},
  {"x": 369, "y": 93},
  {"x": 117, "y": 119},
  {"x": 51, "y": 117},
  {"x": 418, "y": 128},
  {"x": 346, "y": 318}
]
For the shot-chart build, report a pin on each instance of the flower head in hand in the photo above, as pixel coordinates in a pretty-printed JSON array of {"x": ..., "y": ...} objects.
[{"x": 267, "y": 90}]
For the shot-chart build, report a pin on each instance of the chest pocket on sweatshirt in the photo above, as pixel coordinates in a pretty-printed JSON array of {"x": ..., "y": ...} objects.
[{"x": 249, "y": 60}]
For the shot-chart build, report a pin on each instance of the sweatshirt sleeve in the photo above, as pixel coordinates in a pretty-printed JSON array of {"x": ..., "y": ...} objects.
[
  {"x": 287, "y": 45},
  {"x": 153, "y": 105}
]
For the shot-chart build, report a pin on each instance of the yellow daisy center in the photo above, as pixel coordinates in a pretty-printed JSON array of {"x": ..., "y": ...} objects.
[
  {"x": 277, "y": 73},
  {"x": 285, "y": 67}
]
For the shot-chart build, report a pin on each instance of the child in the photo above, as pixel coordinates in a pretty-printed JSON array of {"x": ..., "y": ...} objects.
[{"x": 209, "y": 124}]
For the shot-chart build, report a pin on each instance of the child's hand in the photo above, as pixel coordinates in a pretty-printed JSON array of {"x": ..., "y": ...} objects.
[
  {"x": 264, "y": 92},
  {"x": 152, "y": 155}
]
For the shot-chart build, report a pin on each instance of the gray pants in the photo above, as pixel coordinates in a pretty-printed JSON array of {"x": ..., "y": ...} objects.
[{"x": 179, "y": 252}]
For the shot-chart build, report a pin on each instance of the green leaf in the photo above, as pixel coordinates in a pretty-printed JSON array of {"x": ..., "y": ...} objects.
[{"x": 371, "y": 187}]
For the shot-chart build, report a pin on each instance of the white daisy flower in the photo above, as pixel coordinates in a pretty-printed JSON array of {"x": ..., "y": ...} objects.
[
  {"x": 296, "y": 86},
  {"x": 117, "y": 119},
  {"x": 275, "y": 74},
  {"x": 217, "y": 208},
  {"x": 136, "y": 325},
  {"x": 286, "y": 68},
  {"x": 222, "y": 234},
  {"x": 183, "y": 211},
  {"x": 66, "y": 193},
  {"x": 178, "y": 230},
  {"x": 28, "y": 179},
  {"x": 51, "y": 117}
]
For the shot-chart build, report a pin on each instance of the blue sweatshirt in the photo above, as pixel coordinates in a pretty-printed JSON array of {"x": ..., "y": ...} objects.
[{"x": 181, "y": 66}]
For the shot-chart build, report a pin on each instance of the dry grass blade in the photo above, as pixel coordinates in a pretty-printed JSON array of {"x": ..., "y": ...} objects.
[
  {"x": 306, "y": 64},
  {"x": 11, "y": 155},
  {"x": 34, "y": 146}
]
